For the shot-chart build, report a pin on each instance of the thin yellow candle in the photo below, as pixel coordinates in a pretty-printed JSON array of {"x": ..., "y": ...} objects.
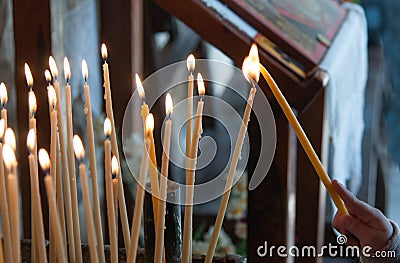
[
  {"x": 32, "y": 109},
  {"x": 64, "y": 158},
  {"x": 3, "y": 101},
  {"x": 71, "y": 165},
  {"x": 144, "y": 111},
  {"x": 114, "y": 145},
  {"x": 93, "y": 165},
  {"x": 3, "y": 202},
  {"x": 10, "y": 163},
  {"x": 53, "y": 130},
  {"x": 109, "y": 193},
  {"x": 251, "y": 72},
  {"x": 114, "y": 171},
  {"x": 137, "y": 214},
  {"x": 163, "y": 182},
  {"x": 190, "y": 174},
  {"x": 305, "y": 143},
  {"x": 80, "y": 156},
  {"x": 61, "y": 247},
  {"x": 35, "y": 196},
  {"x": 29, "y": 81}
]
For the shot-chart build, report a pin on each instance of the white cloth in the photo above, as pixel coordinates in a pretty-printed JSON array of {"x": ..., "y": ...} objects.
[{"x": 347, "y": 65}]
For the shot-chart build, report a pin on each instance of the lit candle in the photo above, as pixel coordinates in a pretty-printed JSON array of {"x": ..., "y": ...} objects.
[
  {"x": 109, "y": 193},
  {"x": 32, "y": 109},
  {"x": 10, "y": 162},
  {"x": 137, "y": 214},
  {"x": 64, "y": 158},
  {"x": 3, "y": 201},
  {"x": 80, "y": 156},
  {"x": 190, "y": 174},
  {"x": 114, "y": 171},
  {"x": 53, "y": 130},
  {"x": 152, "y": 160},
  {"x": 305, "y": 143},
  {"x": 71, "y": 165},
  {"x": 44, "y": 161},
  {"x": 163, "y": 183},
  {"x": 92, "y": 162},
  {"x": 37, "y": 216},
  {"x": 191, "y": 63},
  {"x": 252, "y": 74},
  {"x": 114, "y": 145},
  {"x": 29, "y": 82},
  {"x": 3, "y": 100}
]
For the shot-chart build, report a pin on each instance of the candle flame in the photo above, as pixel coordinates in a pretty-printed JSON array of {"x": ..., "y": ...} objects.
[
  {"x": 107, "y": 127},
  {"x": 28, "y": 75},
  {"x": 104, "y": 53},
  {"x": 139, "y": 86},
  {"x": 51, "y": 94},
  {"x": 191, "y": 63},
  {"x": 169, "y": 106},
  {"x": 3, "y": 94},
  {"x": 30, "y": 140},
  {"x": 251, "y": 65},
  {"x": 84, "y": 70},
  {"x": 200, "y": 85},
  {"x": 67, "y": 69},
  {"x": 78, "y": 148},
  {"x": 44, "y": 160},
  {"x": 114, "y": 165},
  {"x": 9, "y": 138},
  {"x": 149, "y": 123},
  {"x": 32, "y": 102},
  {"x": 10, "y": 161},
  {"x": 2, "y": 126},
  {"x": 53, "y": 67},
  {"x": 47, "y": 75}
]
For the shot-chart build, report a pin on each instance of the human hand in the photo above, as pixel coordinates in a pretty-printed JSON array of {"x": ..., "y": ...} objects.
[{"x": 364, "y": 225}]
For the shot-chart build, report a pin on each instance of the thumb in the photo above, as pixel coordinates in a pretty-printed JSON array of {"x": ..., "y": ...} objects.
[{"x": 354, "y": 205}]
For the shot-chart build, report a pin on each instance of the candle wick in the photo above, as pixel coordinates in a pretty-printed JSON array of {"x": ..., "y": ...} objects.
[
  {"x": 113, "y": 175},
  {"x": 3, "y": 106},
  {"x": 201, "y": 97}
]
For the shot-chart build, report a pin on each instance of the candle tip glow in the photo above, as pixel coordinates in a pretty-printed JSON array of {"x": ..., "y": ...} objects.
[
  {"x": 32, "y": 102},
  {"x": 67, "y": 69},
  {"x": 139, "y": 86},
  {"x": 9, "y": 138},
  {"x": 3, "y": 94},
  {"x": 28, "y": 75},
  {"x": 169, "y": 106},
  {"x": 30, "y": 140},
  {"x": 84, "y": 70},
  {"x": 10, "y": 161},
  {"x": 2, "y": 126},
  {"x": 107, "y": 127},
  {"x": 114, "y": 165},
  {"x": 149, "y": 123},
  {"x": 52, "y": 97},
  {"x": 78, "y": 148},
  {"x": 53, "y": 67},
  {"x": 251, "y": 65},
  {"x": 200, "y": 85},
  {"x": 191, "y": 63},
  {"x": 44, "y": 160},
  {"x": 47, "y": 75},
  {"x": 104, "y": 53}
]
